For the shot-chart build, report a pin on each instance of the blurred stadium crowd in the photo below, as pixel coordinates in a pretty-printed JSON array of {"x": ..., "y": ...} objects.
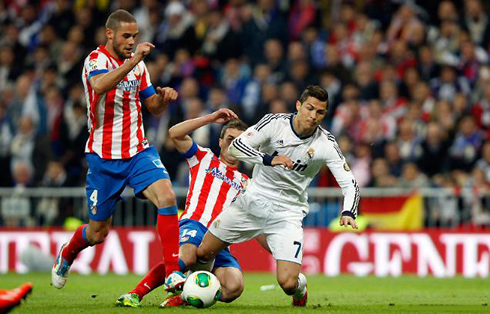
[{"x": 409, "y": 81}]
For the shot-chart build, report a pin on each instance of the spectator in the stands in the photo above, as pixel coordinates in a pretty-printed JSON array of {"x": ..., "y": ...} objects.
[{"x": 466, "y": 146}]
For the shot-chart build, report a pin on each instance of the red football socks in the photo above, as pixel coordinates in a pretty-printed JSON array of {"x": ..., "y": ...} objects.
[
  {"x": 168, "y": 229},
  {"x": 77, "y": 243},
  {"x": 154, "y": 279}
]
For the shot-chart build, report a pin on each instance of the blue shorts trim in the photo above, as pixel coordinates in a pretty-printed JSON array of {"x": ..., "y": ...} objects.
[
  {"x": 192, "y": 232},
  {"x": 107, "y": 178}
]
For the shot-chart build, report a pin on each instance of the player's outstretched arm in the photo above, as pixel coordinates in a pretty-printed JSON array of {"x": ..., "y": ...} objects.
[
  {"x": 104, "y": 82},
  {"x": 179, "y": 132},
  {"x": 338, "y": 166},
  {"x": 157, "y": 103}
]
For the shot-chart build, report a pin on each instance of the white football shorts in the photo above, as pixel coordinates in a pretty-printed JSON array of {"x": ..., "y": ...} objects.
[{"x": 252, "y": 215}]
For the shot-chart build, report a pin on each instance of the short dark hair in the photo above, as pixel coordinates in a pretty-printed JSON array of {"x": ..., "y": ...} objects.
[
  {"x": 117, "y": 17},
  {"x": 314, "y": 91},
  {"x": 233, "y": 124}
]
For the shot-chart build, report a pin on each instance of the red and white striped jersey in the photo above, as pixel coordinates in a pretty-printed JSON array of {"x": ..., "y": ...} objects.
[
  {"x": 114, "y": 118},
  {"x": 213, "y": 185}
]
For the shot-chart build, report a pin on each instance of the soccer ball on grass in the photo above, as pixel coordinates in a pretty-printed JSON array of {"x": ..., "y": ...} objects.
[{"x": 201, "y": 289}]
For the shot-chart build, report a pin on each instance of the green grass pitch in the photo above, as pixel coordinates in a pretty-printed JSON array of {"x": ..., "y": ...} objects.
[{"x": 344, "y": 294}]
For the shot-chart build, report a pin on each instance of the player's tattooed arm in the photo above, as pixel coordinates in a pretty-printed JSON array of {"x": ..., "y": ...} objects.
[{"x": 179, "y": 132}]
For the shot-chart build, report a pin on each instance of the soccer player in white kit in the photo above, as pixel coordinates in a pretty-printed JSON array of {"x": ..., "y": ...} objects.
[{"x": 288, "y": 150}]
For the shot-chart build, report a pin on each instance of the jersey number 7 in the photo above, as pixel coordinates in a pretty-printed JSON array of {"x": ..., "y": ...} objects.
[{"x": 299, "y": 248}]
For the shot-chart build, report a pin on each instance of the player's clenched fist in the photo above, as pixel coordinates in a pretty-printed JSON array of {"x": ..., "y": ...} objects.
[
  {"x": 167, "y": 94},
  {"x": 282, "y": 160},
  {"x": 142, "y": 50}
]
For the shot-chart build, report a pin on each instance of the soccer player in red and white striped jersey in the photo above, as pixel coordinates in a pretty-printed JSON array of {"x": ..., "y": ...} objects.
[
  {"x": 116, "y": 82},
  {"x": 214, "y": 183},
  {"x": 116, "y": 132}
]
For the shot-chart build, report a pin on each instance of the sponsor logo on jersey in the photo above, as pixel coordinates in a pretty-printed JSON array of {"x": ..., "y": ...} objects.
[
  {"x": 158, "y": 163},
  {"x": 280, "y": 142},
  {"x": 244, "y": 184},
  {"x": 215, "y": 172},
  {"x": 129, "y": 85},
  {"x": 298, "y": 166},
  {"x": 250, "y": 133}
]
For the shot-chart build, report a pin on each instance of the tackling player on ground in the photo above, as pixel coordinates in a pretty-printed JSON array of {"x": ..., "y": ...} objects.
[
  {"x": 118, "y": 154},
  {"x": 214, "y": 184},
  {"x": 288, "y": 150},
  {"x": 12, "y": 298}
]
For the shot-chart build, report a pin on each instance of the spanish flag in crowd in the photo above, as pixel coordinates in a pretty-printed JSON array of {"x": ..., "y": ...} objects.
[{"x": 394, "y": 213}]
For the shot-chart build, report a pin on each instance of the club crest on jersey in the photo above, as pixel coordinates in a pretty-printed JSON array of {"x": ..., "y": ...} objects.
[
  {"x": 250, "y": 133},
  {"x": 310, "y": 153},
  {"x": 280, "y": 142},
  {"x": 216, "y": 223},
  {"x": 346, "y": 167},
  {"x": 136, "y": 71},
  {"x": 93, "y": 209}
]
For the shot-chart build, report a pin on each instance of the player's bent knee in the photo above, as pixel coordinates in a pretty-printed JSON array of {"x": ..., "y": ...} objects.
[
  {"x": 189, "y": 260},
  {"x": 228, "y": 296},
  {"x": 97, "y": 237},
  {"x": 202, "y": 254},
  {"x": 287, "y": 283},
  {"x": 232, "y": 290},
  {"x": 166, "y": 200}
]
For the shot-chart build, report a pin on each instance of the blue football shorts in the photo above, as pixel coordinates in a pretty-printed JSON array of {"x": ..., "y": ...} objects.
[
  {"x": 107, "y": 178},
  {"x": 192, "y": 232}
]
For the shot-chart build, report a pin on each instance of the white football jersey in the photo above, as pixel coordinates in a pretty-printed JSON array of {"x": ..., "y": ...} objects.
[{"x": 275, "y": 135}]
